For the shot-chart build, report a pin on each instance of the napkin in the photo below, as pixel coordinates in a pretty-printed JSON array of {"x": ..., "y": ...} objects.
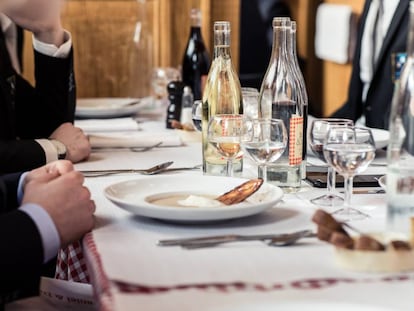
[
  {"x": 107, "y": 125},
  {"x": 335, "y": 30},
  {"x": 133, "y": 139}
]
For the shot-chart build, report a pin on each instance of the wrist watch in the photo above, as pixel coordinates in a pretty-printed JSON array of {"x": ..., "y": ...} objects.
[{"x": 60, "y": 148}]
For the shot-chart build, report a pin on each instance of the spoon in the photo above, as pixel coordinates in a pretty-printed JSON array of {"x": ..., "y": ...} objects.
[{"x": 149, "y": 171}]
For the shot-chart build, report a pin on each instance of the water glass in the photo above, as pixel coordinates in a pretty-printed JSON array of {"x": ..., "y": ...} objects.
[
  {"x": 197, "y": 114},
  {"x": 264, "y": 141},
  {"x": 318, "y": 131},
  {"x": 349, "y": 150},
  {"x": 250, "y": 102}
]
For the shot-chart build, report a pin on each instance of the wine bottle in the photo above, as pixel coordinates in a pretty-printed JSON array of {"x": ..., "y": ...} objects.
[
  {"x": 280, "y": 99},
  {"x": 222, "y": 95},
  {"x": 303, "y": 94},
  {"x": 400, "y": 151},
  {"x": 196, "y": 60}
]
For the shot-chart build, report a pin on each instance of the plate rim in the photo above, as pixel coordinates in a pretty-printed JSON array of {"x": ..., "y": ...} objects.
[
  {"x": 88, "y": 112},
  {"x": 185, "y": 214}
]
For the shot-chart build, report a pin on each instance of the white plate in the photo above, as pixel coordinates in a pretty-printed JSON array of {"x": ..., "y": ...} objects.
[
  {"x": 134, "y": 196},
  {"x": 381, "y": 137},
  {"x": 106, "y": 107},
  {"x": 301, "y": 306}
]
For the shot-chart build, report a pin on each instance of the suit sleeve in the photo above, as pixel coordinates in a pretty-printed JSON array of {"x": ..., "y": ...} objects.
[
  {"x": 21, "y": 248},
  {"x": 40, "y": 110},
  {"x": 20, "y": 155}
]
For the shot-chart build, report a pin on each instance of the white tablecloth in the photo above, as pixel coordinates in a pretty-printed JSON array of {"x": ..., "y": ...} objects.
[{"x": 122, "y": 250}]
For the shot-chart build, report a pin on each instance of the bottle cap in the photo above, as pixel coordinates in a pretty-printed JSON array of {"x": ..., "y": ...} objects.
[
  {"x": 222, "y": 26},
  {"x": 281, "y": 22}
]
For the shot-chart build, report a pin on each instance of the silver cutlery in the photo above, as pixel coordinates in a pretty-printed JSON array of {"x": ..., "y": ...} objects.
[
  {"x": 149, "y": 171},
  {"x": 143, "y": 149},
  {"x": 210, "y": 241}
]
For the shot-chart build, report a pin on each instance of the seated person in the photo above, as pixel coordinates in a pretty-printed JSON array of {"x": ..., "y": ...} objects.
[
  {"x": 40, "y": 212},
  {"x": 36, "y": 122},
  {"x": 372, "y": 81}
]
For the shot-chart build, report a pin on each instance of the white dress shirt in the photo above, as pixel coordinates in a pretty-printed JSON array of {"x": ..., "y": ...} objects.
[
  {"x": 10, "y": 32},
  {"x": 366, "y": 69}
]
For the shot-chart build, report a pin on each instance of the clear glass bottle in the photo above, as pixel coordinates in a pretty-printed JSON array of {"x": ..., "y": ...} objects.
[
  {"x": 400, "y": 152},
  {"x": 279, "y": 98},
  {"x": 196, "y": 60},
  {"x": 222, "y": 95},
  {"x": 303, "y": 94}
]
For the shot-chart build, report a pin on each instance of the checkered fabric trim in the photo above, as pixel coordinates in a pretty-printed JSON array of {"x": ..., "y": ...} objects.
[
  {"x": 295, "y": 140},
  {"x": 99, "y": 280},
  {"x": 71, "y": 264}
]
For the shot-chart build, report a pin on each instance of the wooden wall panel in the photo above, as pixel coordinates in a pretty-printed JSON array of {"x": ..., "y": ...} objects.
[
  {"x": 337, "y": 76},
  {"x": 228, "y": 10}
]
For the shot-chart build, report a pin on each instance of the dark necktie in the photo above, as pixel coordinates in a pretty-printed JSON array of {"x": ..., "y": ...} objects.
[{"x": 377, "y": 35}]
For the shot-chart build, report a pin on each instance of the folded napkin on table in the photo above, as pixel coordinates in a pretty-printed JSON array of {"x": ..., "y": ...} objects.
[
  {"x": 107, "y": 125},
  {"x": 134, "y": 139},
  {"x": 335, "y": 32}
]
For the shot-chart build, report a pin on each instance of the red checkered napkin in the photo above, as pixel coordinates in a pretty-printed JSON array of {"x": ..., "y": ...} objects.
[{"x": 71, "y": 264}]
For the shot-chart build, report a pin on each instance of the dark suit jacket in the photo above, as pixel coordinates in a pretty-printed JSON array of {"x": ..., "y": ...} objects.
[
  {"x": 21, "y": 250},
  {"x": 378, "y": 103},
  {"x": 28, "y": 112}
]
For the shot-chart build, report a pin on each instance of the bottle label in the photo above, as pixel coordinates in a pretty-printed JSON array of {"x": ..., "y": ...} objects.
[{"x": 295, "y": 140}]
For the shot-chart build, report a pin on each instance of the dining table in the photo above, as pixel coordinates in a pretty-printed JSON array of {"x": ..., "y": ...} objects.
[{"x": 130, "y": 271}]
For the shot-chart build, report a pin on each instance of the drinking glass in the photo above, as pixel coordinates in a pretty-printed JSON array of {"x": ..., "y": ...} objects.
[
  {"x": 224, "y": 134},
  {"x": 197, "y": 114},
  {"x": 250, "y": 102},
  {"x": 349, "y": 150},
  {"x": 264, "y": 141},
  {"x": 318, "y": 131}
]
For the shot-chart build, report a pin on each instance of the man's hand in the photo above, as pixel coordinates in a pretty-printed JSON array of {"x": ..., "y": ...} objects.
[
  {"x": 42, "y": 17},
  {"x": 77, "y": 144},
  {"x": 64, "y": 198},
  {"x": 49, "y": 171}
]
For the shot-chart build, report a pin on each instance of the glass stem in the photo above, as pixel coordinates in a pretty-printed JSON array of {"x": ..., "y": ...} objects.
[
  {"x": 230, "y": 167},
  {"x": 331, "y": 178},
  {"x": 263, "y": 169},
  {"x": 348, "y": 194}
]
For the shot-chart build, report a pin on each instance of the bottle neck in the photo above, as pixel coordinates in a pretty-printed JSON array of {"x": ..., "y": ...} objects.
[
  {"x": 279, "y": 48},
  {"x": 222, "y": 44},
  {"x": 195, "y": 32}
]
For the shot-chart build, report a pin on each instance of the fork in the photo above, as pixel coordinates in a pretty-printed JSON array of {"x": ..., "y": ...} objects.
[
  {"x": 149, "y": 171},
  {"x": 211, "y": 241}
]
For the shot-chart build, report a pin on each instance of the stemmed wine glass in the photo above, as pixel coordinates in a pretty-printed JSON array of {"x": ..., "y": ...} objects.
[
  {"x": 318, "y": 131},
  {"x": 224, "y": 134},
  {"x": 264, "y": 141},
  {"x": 349, "y": 150}
]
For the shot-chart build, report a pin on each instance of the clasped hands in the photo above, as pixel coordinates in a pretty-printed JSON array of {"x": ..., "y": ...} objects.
[{"x": 59, "y": 190}]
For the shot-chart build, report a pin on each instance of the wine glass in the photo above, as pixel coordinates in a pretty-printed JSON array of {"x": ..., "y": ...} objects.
[
  {"x": 349, "y": 150},
  {"x": 224, "y": 134},
  {"x": 264, "y": 141},
  {"x": 318, "y": 130}
]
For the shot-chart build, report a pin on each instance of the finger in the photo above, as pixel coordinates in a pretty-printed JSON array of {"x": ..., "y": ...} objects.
[{"x": 61, "y": 167}]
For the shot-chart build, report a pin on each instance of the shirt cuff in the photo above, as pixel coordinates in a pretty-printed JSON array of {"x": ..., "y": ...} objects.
[
  {"x": 51, "y": 49},
  {"x": 47, "y": 229},
  {"x": 49, "y": 149},
  {"x": 20, "y": 189}
]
